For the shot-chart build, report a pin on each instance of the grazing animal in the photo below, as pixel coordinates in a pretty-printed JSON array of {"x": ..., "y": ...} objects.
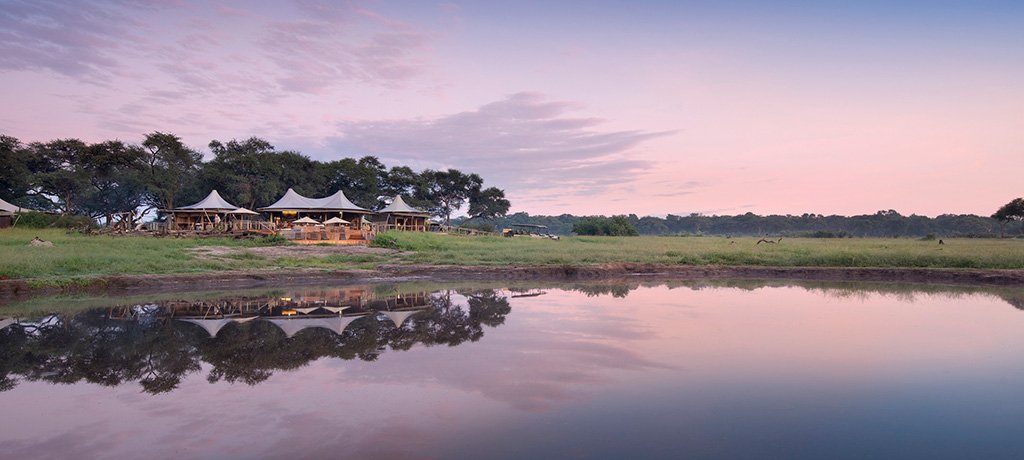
[{"x": 940, "y": 242}]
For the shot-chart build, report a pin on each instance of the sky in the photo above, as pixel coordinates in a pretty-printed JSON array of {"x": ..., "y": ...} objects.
[{"x": 581, "y": 107}]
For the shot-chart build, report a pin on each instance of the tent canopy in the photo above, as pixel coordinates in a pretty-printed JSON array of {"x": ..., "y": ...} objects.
[
  {"x": 398, "y": 206},
  {"x": 7, "y": 207},
  {"x": 292, "y": 201},
  {"x": 212, "y": 202}
]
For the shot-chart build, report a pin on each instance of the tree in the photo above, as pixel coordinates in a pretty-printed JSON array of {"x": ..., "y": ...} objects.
[
  {"x": 487, "y": 204},
  {"x": 14, "y": 169},
  {"x": 449, "y": 190},
  {"x": 169, "y": 166},
  {"x": 116, "y": 180},
  {"x": 245, "y": 171},
  {"x": 616, "y": 226},
  {"x": 1014, "y": 210},
  {"x": 61, "y": 176}
]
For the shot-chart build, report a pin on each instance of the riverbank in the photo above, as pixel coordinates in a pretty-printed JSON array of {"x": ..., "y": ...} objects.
[
  {"x": 241, "y": 279},
  {"x": 113, "y": 263}
]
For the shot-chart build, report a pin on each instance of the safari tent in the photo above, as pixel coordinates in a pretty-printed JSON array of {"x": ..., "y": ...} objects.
[
  {"x": 204, "y": 215},
  {"x": 400, "y": 216}
]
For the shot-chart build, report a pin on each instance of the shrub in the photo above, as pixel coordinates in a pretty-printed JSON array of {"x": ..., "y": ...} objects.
[
  {"x": 271, "y": 240},
  {"x": 616, "y": 226},
  {"x": 32, "y": 219},
  {"x": 483, "y": 227},
  {"x": 384, "y": 240}
]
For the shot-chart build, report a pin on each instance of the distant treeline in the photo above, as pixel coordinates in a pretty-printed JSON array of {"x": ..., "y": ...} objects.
[
  {"x": 101, "y": 179},
  {"x": 881, "y": 224}
]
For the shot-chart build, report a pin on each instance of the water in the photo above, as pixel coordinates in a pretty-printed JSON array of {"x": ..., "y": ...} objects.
[{"x": 759, "y": 370}]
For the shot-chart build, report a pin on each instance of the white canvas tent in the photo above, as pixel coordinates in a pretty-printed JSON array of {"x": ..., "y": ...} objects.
[
  {"x": 7, "y": 207},
  {"x": 292, "y": 326},
  {"x": 399, "y": 317}
]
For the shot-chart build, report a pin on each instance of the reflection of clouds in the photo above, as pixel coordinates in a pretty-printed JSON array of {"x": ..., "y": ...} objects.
[
  {"x": 87, "y": 441},
  {"x": 530, "y": 368}
]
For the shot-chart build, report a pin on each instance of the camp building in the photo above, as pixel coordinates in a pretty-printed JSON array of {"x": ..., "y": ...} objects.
[
  {"x": 207, "y": 214},
  {"x": 293, "y": 206},
  {"x": 400, "y": 216},
  {"x": 7, "y": 211}
]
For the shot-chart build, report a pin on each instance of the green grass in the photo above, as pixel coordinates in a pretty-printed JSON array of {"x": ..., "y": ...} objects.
[
  {"x": 868, "y": 252},
  {"x": 75, "y": 258},
  {"x": 75, "y": 255}
]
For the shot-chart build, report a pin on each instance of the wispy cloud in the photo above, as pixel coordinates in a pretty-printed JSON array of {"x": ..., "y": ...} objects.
[
  {"x": 525, "y": 137},
  {"x": 73, "y": 38}
]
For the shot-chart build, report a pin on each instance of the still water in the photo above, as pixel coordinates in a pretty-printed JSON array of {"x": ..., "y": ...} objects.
[{"x": 753, "y": 370}]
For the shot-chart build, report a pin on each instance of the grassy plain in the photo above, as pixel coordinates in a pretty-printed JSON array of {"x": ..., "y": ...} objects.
[
  {"x": 75, "y": 258},
  {"x": 795, "y": 252}
]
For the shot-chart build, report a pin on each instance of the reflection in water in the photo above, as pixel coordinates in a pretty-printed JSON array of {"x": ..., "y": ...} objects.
[
  {"x": 738, "y": 369},
  {"x": 245, "y": 339}
]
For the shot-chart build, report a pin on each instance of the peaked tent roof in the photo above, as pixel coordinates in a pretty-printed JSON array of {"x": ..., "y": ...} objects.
[
  {"x": 292, "y": 326},
  {"x": 7, "y": 207},
  {"x": 399, "y": 317},
  {"x": 399, "y": 207},
  {"x": 335, "y": 202},
  {"x": 291, "y": 201},
  {"x": 212, "y": 326},
  {"x": 212, "y": 202}
]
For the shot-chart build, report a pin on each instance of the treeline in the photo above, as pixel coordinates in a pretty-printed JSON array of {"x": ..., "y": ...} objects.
[
  {"x": 102, "y": 179},
  {"x": 881, "y": 224}
]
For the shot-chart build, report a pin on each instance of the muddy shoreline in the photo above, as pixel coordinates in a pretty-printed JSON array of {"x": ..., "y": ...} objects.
[{"x": 134, "y": 284}]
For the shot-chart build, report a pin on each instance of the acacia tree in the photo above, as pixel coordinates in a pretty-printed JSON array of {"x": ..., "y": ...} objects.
[
  {"x": 1014, "y": 210},
  {"x": 245, "y": 171},
  {"x": 14, "y": 168},
  {"x": 61, "y": 176},
  {"x": 449, "y": 190},
  {"x": 488, "y": 204},
  {"x": 115, "y": 179},
  {"x": 169, "y": 166}
]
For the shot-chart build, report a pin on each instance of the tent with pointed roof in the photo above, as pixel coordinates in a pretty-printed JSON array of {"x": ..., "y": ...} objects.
[
  {"x": 293, "y": 205},
  {"x": 212, "y": 202},
  {"x": 399, "y": 317},
  {"x": 207, "y": 214},
  {"x": 400, "y": 216},
  {"x": 292, "y": 326},
  {"x": 212, "y": 326},
  {"x": 7, "y": 211},
  {"x": 290, "y": 202},
  {"x": 336, "y": 202},
  {"x": 7, "y": 207}
]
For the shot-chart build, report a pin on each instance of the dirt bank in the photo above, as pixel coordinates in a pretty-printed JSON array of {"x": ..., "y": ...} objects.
[{"x": 134, "y": 284}]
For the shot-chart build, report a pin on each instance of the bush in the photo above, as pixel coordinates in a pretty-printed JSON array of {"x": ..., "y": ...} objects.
[
  {"x": 826, "y": 234},
  {"x": 483, "y": 227},
  {"x": 271, "y": 240},
  {"x": 34, "y": 219},
  {"x": 384, "y": 240},
  {"x": 616, "y": 226}
]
